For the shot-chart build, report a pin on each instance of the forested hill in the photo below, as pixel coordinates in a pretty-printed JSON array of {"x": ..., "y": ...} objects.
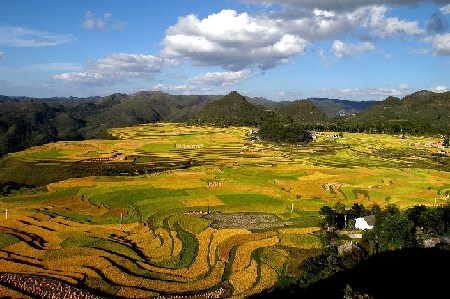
[
  {"x": 26, "y": 122},
  {"x": 232, "y": 109},
  {"x": 303, "y": 112},
  {"x": 422, "y": 112}
]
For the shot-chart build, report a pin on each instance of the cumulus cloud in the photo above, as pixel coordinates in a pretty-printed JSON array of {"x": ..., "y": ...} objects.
[
  {"x": 115, "y": 68},
  {"x": 24, "y": 37},
  {"x": 445, "y": 9},
  {"x": 342, "y": 4},
  {"x": 92, "y": 22},
  {"x": 240, "y": 41},
  {"x": 231, "y": 40},
  {"x": 88, "y": 78},
  {"x": 440, "y": 43},
  {"x": 374, "y": 20},
  {"x": 440, "y": 89},
  {"x": 222, "y": 78},
  {"x": 438, "y": 22},
  {"x": 379, "y": 93},
  {"x": 184, "y": 89},
  {"x": 369, "y": 21},
  {"x": 342, "y": 49},
  {"x": 54, "y": 67}
]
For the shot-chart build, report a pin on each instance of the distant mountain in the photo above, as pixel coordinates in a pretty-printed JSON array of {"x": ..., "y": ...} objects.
[
  {"x": 268, "y": 104},
  {"x": 26, "y": 122},
  {"x": 331, "y": 107},
  {"x": 335, "y": 107}
]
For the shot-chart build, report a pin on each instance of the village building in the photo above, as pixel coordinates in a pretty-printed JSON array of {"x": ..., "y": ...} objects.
[{"x": 367, "y": 222}]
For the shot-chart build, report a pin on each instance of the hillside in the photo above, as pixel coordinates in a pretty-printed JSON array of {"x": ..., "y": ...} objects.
[
  {"x": 423, "y": 112},
  {"x": 232, "y": 109},
  {"x": 335, "y": 107},
  {"x": 26, "y": 122},
  {"x": 303, "y": 112}
]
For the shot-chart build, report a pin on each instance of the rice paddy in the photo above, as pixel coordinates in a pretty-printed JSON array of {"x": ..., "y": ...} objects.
[{"x": 238, "y": 216}]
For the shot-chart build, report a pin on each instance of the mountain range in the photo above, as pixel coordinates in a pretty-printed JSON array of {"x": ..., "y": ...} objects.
[{"x": 26, "y": 122}]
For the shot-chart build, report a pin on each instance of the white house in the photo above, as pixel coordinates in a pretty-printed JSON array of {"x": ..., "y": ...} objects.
[{"x": 367, "y": 222}]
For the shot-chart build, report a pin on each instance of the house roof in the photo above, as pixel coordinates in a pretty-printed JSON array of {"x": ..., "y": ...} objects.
[{"x": 370, "y": 220}]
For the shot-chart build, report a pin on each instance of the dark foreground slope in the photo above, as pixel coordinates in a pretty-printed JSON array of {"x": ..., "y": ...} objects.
[{"x": 411, "y": 273}]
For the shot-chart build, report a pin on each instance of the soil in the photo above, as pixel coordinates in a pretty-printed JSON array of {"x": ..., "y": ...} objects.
[{"x": 246, "y": 220}]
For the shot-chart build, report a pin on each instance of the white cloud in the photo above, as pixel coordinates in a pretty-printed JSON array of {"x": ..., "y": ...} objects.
[
  {"x": 378, "y": 93},
  {"x": 172, "y": 88},
  {"x": 374, "y": 20},
  {"x": 342, "y": 4},
  {"x": 118, "y": 25},
  {"x": 107, "y": 15},
  {"x": 24, "y": 37},
  {"x": 239, "y": 41},
  {"x": 342, "y": 49},
  {"x": 54, "y": 67},
  {"x": 440, "y": 43},
  {"x": 445, "y": 10},
  {"x": 440, "y": 89},
  {"x": 368, "y": 21},
  {"x": 231, "y": 40},
  {"x": 91, "y": 22},
  {"x": 222, "y": 78},
  {"x": 130, "y": 64},
  {"x": 87, "y": 78},
  {"x": 421, "y": 51},
  {"x": 1, "y": 55},
  {"x": 115, "y": 68}
]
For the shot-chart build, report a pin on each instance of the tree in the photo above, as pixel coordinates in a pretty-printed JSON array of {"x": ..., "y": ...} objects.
[
  {"x": 329, "y": 220},
  {"x": 395, "y": 232}
]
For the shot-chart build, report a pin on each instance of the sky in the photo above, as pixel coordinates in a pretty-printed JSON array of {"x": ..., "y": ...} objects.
[{"x": 278, "y": 49}]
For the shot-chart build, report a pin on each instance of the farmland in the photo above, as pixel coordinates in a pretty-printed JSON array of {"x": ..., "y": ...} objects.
[{"x": 170, "y": 209}]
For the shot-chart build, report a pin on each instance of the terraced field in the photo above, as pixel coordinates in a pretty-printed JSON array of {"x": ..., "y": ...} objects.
[{"x": 196, "y": 212}]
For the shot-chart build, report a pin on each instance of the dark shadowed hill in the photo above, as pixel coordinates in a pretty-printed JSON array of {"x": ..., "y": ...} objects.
[{"x": 26, "y": 122}]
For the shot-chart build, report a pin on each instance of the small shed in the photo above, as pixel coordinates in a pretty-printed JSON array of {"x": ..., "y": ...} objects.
[{"x": 367, "y": 222}]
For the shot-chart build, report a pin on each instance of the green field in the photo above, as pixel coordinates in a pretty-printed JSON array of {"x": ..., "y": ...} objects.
[{"x": 133, "y": 227}]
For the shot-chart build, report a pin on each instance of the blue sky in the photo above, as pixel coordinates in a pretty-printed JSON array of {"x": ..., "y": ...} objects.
[{"x": 279, "y": 49}]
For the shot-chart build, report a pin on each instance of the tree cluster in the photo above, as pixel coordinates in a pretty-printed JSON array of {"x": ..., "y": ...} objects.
[
  {"x": 274, "y": 129},
  {"x": 394, "y": 228}
]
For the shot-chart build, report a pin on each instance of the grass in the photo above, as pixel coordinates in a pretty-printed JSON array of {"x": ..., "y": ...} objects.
[
  {"x": 7, "y": 240},
  {"x": 249, "y": 199},
  {"x": 189, "y": 251}
]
